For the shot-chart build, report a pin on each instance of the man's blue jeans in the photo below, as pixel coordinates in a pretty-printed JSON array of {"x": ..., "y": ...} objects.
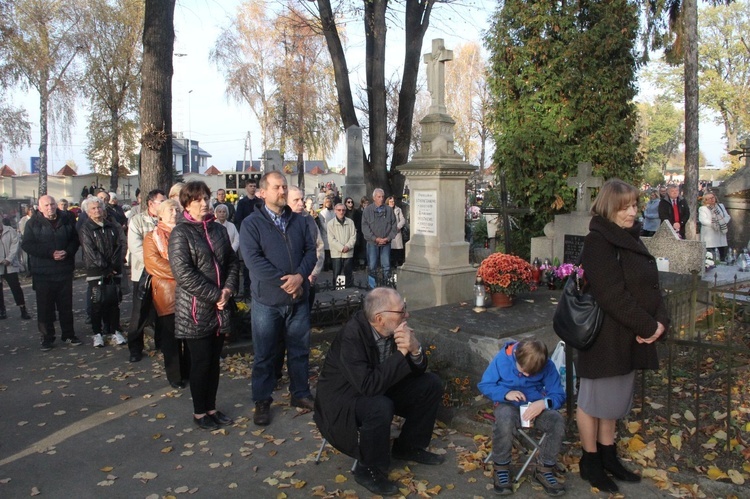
[
  {"x": 270, "y": 324},
  {"x": 375, "y": 253}
]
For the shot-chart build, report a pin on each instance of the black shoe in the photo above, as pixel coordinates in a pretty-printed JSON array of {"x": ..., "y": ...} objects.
[
  {"x": 420, "y": 456},
  {"x": 73, "y": 340},
  {"x": 135, "y": 357},
  {"x": 3, "y": 314},
  {"x": 206, "y": 423},
  {"x": 303, "y": 403},
  {"x": 24, "y": 314},
  {"x": 374, "y": 480},
  {"x": 591, "y": 469},
  {"x": 611, "y": 463},
  {"x": 176, "y": 384},
  {"x": 262, "y": 416},
  {"x": 47, "y": 346},
  {"x": 221, "y": 419}
]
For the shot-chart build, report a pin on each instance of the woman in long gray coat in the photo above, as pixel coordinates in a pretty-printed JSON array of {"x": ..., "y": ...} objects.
[{"x": 624, "y": 280}]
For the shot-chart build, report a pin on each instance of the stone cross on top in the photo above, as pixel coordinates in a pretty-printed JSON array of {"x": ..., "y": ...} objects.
[
  {"x": 436, "y": 75},
  {"x": 583, "y": 182}
]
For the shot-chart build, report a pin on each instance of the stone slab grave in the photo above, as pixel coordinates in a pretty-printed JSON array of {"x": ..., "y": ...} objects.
[
  {"x": 467, "y": 341},
  {"x": 563, "y": 238},
  {"x": 675, "y": 255}
]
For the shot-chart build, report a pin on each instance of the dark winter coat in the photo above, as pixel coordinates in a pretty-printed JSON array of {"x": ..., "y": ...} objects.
[
  {"x": 270, "y": 254},
  {"x": 627, "y": 289},
  {"x": 102, "y": 248},
  {"x": 352, "y": 369},
  {"x": 41, "y": 238},
  {"x": 203, "y": 263},
  {"x": 245, "y": 208},
  {"x": 667, "y": 213}
]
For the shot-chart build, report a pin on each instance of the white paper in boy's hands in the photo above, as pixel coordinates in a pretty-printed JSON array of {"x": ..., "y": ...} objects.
[{"x": 524, "y": 423}]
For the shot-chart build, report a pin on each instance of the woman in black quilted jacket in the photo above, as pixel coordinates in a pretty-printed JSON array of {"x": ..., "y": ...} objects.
[
  {"x": 206, "y": 271},
  {"x": 624, "y": 280}
]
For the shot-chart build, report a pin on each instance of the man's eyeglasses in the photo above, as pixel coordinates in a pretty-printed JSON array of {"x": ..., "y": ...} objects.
[{"x": 401, "y": 312}]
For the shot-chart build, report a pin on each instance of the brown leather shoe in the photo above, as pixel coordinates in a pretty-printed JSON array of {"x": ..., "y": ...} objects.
[
  {"x": 262, "y": 416},
  {"x": 303, "y": 403}
]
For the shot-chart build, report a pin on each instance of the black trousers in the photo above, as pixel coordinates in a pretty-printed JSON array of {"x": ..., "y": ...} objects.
[
  {"x": 51, "y": 295},
  {"x": 416, "y": 398},
  {"x": 176, "y": 355},
  {"x": 343, "y": 266},
  {"x": 109, "y": 315},
  {"x": 15, "y": 288},
  {"x": 140, "y": 317},
  {"x": 204, "y": 371}
]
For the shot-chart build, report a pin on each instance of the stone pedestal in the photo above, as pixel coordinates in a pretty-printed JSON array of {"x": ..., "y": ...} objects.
[{"x": 437, "y": 269}]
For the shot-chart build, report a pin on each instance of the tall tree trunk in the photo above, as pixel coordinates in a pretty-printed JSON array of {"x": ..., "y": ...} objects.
[
  {"x": 156, "y": 95},
  {"x": 691, "y": 113},
  {"x": 417, "y": 20},
  {"x": 114, "y": 167},
  {"x": 375, "y": 31},
  {"x": 43, "y": 136}
]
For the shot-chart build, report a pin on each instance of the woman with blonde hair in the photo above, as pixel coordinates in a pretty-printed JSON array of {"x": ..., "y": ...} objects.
[
  {"x": 156, "y": 260},
  {"x": 622, "y": 277}
]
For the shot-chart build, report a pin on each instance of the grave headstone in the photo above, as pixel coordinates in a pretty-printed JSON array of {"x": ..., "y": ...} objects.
[
  {"x": 354, "y": 185},
  {"x": 437, "y": 270},
  {"x": 563, "y": 238},
  {"x": 683, "y": 256}
]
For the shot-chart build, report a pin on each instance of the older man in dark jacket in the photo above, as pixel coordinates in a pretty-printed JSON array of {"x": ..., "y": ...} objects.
[
  {"x": 279, "y": 252},
  {"x": 51, "y": 241},
  {"x": 674, "y": 209},
  {"x": 374, "y": 369}
]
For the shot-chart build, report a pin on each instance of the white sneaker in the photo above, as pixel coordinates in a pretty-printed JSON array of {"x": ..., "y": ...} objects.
[
  {"x": 120, "y": 339},
  {"x": 98, "y": 341}
]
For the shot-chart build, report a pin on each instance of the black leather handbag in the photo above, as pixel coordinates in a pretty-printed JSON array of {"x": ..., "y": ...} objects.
[{"x": 578, "y": 317}]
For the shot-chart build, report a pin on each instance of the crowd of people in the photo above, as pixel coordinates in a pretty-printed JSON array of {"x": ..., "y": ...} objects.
[
  {"x": 185, "y": 253},
  {"x": 666, "y": 203}
]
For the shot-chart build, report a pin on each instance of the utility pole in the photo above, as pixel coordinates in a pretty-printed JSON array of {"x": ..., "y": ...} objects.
[{"x": 248, "y": 152}]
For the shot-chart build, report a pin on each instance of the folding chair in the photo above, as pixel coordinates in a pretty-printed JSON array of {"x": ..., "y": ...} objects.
[
  {"x": 320, "y": 452},
  {"x": 531, "y": 452}
]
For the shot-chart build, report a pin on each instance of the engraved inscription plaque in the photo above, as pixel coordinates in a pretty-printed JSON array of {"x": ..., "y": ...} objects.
[{"x": 425, "y": 213}]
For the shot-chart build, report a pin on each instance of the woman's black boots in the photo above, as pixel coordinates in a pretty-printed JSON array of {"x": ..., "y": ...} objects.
[
  {"x": 611, "y": 463},
  {"x": 593, "y": 471}
]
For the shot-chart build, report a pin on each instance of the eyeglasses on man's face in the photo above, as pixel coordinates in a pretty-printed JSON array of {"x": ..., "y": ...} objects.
[{"x": 401, "y": 312}]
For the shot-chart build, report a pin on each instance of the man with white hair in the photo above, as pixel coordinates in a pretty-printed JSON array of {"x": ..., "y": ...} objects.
[
  {"x": 379, "y": 227},
  {"x": 51, "y": 241},
  {"x": 375, "y": 369}
]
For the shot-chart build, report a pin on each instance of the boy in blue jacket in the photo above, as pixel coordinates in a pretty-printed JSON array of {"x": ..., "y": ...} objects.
[{"x": 521, "y": 373}]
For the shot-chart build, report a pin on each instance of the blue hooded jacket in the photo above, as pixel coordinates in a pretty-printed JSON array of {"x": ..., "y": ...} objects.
[{"x": 502, "y": 376}]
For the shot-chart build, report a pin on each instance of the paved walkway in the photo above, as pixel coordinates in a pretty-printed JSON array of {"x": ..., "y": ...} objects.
[{"x": 83, "y": 422}]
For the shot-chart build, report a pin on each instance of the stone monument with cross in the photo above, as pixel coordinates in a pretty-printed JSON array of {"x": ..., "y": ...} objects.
[
  {"x": 563, "y": 238},
  {"x": 437, "y": 270}
]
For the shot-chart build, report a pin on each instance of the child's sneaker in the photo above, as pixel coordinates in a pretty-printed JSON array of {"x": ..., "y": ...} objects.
[
  {"x": 120, "y": 339},
  {"x": 545, "y": 476},
  {"x": 501, "y": 479}
]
